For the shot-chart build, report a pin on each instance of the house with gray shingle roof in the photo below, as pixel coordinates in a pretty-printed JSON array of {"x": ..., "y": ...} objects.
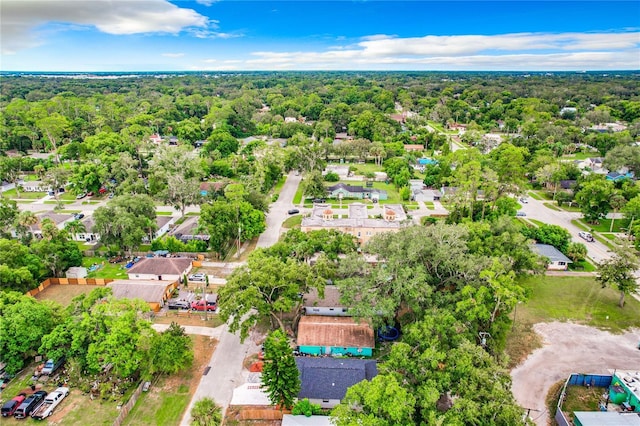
[
  {"x": 325, "y": 381},
  {"x": 557, "y": 260}
]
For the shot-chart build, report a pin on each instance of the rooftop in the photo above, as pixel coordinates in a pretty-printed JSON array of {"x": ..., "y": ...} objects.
[
  {"x": 357, "y": 217},
  {"x": 329, "y": 378},
  {"x": 609, "y": 418},
  {"x": 550, "y": 252},
  {"x": 334, "y": 331},
  {"x": 161, "y": 266},
  {"x": 331, "y": 297},
  {"x": 147, "y": 290}
]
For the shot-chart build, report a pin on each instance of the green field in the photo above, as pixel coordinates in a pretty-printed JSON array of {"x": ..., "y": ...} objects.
[
  {"x": 165, "y": 408},
  {"x": 577, "y": 299},
  {"x": 619, "y": 225},
  {"x": 292, "y": 222}
]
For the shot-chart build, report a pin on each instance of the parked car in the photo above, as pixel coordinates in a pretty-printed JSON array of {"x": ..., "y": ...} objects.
[
  {"x": 524, "y": 200},
  {"x": 319, "y": 200},
  {"x": 210, "y": 304},
  {"x": 200, "y": 276},
  {"x": 293, "y": 211},
  {"x": 52, "y": 365},
  {"x": 50, "y": 403},
  {"x": 78, "y": 216},
  {"x": 90, "y": 194},
  {"x": 81, "y": 196},
  {"x": 586, "y": 236},
  {"x": 521, "y": 213},
  {"x": 178, "y": 304},
  {"x": 116, "y": 259},
  {"x": 12, "y": 405},
  {"x": 30, "y": 404}
]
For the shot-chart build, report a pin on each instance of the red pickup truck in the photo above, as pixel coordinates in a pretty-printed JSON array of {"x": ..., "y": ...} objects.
[{"x": 210, "y": 304}]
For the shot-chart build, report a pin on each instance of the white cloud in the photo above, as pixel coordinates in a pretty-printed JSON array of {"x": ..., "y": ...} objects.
[
  {"x": 520, "y": 51},
  {"x": 21, "y": 20},
  {"x": 206, "y": 2},
  {"x": 173, "y": 55}
]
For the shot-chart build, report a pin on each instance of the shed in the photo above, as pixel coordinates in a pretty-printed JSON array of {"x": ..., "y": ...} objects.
[
  {"x": 328, "y": 305},
  {"x": 325, "y": 381},
  {"x": 76, "y": 272},
  {"x": 557, "y": 260},
  {"x": 154, "y": 292},
  {"x": 325, "y": 335}
]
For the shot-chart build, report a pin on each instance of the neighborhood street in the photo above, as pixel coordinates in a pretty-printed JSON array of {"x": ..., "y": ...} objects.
[{"x": 278, "y": 211}]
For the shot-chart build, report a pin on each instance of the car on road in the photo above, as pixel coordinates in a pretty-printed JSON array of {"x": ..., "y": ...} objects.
[
  {"x": 178, "y": 304},
  {"x": 81, "y": 196},
  {"x": 521, "y": 213},
  {"x": 319, "y": 200},
  {"x": 293, "y": 211},
  {"x": 586, "y": 236},
  {"x": 200, "y": 276},
  {"x": 78, "y": 216},
  {"x": 12, "y": 405},
  {"x": 524, "y": 200}
]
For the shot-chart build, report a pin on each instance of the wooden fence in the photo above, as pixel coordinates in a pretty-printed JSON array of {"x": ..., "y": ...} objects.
[
  {"x": 68, "y": 281},
  {"x": 124, "y": 410}
]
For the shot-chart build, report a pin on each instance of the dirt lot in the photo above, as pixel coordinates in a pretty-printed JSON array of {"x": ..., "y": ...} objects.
[
  {"x": 569, "y": 348},
  {"x": 64, "y": 293}
]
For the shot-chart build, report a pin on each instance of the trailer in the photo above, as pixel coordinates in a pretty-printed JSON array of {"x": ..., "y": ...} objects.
[{"x": 50, "y": 403}]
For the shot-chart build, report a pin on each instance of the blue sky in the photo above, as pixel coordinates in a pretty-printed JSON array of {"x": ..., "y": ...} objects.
[{"x": 162, "y": 35}]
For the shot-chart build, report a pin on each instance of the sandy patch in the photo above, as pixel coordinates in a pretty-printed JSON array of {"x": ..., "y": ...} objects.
[{"x": 569, "y": 348}]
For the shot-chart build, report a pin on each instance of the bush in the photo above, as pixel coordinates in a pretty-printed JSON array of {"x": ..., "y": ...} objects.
[
  {"x": 428, "y": 220},
  {"x": 275, "y": 197},
  {"x": 304, "y": 407},
  {"x": 331, "y": 177}
]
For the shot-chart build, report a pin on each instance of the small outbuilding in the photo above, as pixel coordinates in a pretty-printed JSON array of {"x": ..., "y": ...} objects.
[
  {"x": 325, "y": 335},
  {"x": 76, "y": 272}
]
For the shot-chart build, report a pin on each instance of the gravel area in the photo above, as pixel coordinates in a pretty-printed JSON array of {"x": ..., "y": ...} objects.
[{"x": 570, "y": 348}]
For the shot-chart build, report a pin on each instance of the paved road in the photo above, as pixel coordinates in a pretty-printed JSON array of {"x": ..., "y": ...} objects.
[
  {"x": 278, "y": 211},
  {"x": 535, "y": 209},
  {"x": 226, "y": 371}
]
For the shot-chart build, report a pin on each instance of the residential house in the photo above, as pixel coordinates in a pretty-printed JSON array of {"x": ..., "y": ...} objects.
[
  {"x": 173, "y": 140},
  {"x": 557, "y": 260},
  {"x": 155, "y": 138},
  {"x": 608, "y": 127},
  {"x": 154, "y": 292},
  {"x": 207, "y": 188},
  {"x": 325, "y": 381},
  {"x": 324, "y": 335},
  {"x": 341, "y": 190},
  {"x": 189, "y": 230},
  {"x": 160, "y": 268},
  {"x": 34, "y": 186},
  {"x": 90, "y": 234},
  {"x": 357, "y": 223},
  {"x": 616, "y": 176},
  {"x": 164, "y": 224},
  {"x": 58, "y": 219},
  {"x": 328, "y": 305},
  {"x": 414, "y": 147}
]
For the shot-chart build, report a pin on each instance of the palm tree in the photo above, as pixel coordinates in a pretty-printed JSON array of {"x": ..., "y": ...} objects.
[
  {"x": 74, "y": 228},
  {"x": 206, "y": 412},
  {"x": 24, "y": 221}
]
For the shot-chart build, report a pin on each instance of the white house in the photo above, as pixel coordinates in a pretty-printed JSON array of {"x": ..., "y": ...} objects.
[
  {"x": 557, "y": 260},
  {"x": 160, "y": 268}
]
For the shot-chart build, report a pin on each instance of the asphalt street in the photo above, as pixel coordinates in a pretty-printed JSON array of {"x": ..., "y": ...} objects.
[{"x": 278, "y": 211}]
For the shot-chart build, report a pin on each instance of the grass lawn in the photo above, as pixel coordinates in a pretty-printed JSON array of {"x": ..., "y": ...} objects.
[
  {"x": 67, "y": 196},
  {"x": 365, "y": 168},
  {"x": 430, "y": 205},
  {"x": 567, "y": 208},
  {"x": 168, "y": 397},
  {"x": 292, "y": 222},
  {"x": 278, "y": 187},
  {"x": 108, "y": 270},
  {"x": 30, "y": 178},
  {"x": 192, "y": 214},
  {"x": 297, "y": 198},
  {"x": 619, "y": 225},
  {"x": 24, "y": 195},
  {"x": 580, "y": 224},
  {"x": 552, "y": 206},
  {"x": 535, "y": 195},
  {"x": 56, "y": 202},
  {"x": 164, "y": 213},
  {"x": 578, "y": 299},
  {"x": 582, "y": 266},
  {"x": 536, "y": 222}
]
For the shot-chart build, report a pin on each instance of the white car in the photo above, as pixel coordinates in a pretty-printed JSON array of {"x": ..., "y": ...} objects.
[
  {"x": 200, "y": 276},
  {"x": 523, "y": 200},
  {"x": 585, "y": 236}
]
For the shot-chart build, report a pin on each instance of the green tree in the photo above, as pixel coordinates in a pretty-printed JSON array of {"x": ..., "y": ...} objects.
[
  {"x": 593, "y": 198},
  {"x": 382, "y": 401},
  {"x": 616, "y": 202},
  {"x": 171, "y": 351},
  {"x": 577, "y": 252},
  {"x": 280, "y": 376},
  {"x": 23, "y": 323},
  {"x": 56, "y": 178},
  {"x": 8, "y": 214},
  {"x": 206, "y": 412},
  {"x": 266, "y": 287},
  {"x": 617, "y": 272},
  {"x": 314, "y": 186}
]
